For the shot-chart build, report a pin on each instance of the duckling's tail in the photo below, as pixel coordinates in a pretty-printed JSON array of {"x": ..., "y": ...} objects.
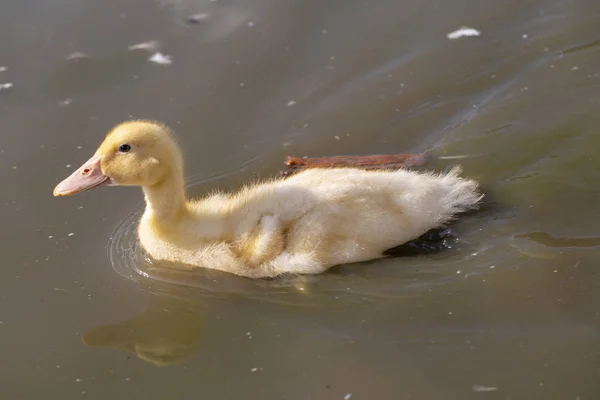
[
  {"x": 435, "y": 199},
  {"x": 458, "y": 194}
]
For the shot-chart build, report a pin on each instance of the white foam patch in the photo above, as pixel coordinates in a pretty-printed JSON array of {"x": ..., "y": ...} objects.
[
  {"x": 463, "y": 32},
  {"x": 160, "y": 58},
  {"x": 151, "y": 45}
]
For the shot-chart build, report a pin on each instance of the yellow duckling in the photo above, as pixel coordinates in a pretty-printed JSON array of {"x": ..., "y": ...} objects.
[{"x": 305, "y": 224}]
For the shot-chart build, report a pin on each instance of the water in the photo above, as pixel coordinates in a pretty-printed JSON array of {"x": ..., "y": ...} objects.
[{"x": 511, "y": 312}]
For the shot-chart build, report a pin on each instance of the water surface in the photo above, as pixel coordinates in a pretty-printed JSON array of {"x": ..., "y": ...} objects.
[{"x": 510, "y": 312}]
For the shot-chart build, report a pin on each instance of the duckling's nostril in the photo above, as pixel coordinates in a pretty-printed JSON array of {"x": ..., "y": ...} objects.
[{"x": 86, "y": 171}]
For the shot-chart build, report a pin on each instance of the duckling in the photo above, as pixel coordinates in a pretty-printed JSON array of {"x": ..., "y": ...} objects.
[{"x": 303, "y": 224}]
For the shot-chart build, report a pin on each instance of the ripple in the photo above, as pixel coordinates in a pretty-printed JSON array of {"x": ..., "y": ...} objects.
[{"x": 545, "y": 239}]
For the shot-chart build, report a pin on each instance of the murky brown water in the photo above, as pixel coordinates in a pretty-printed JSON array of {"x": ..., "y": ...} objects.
[{"x": 512, "y": 312}]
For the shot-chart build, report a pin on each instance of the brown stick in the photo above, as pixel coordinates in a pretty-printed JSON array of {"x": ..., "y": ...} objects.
[{"x": 380, "y": 161}]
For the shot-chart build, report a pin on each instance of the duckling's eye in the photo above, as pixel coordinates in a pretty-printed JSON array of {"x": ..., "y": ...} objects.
[{"x": 124, "y": 148}]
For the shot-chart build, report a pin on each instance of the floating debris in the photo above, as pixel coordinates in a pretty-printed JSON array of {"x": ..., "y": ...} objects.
[
  {"x": 291, "y": 103},
  {"x": 197, "y": 18},
  {"x": 66, "y": 102},
  {"x": 347, "y": 396},
  {"x": 4, "y": 86},
  {"x": 71, "y": 234},
  {"x": 151, "y": 46},
  {"x": 160, "y": 58},
  {"x": 77, "y": 56},
  {"x": 2, "y": 69},
  {"x": 465, "y": 31},
  {"x": 250, "y": 24},
  {"x": 480, "y": 388}
]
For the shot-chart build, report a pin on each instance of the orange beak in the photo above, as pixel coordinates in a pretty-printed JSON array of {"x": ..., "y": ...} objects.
[{"x": 88, "y": 176}]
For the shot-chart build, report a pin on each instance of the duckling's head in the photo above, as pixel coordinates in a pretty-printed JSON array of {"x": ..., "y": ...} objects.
[{"x": 134, "y": 153}]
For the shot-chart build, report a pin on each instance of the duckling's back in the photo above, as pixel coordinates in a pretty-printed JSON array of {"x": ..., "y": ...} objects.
[
  {"x": 418, "y": 194},
  {"x": 359, "y": 214}
]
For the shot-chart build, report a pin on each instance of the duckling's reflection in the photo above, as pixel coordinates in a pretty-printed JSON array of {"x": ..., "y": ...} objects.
[
  {"x": 171, "y": 329},
  {"x": 167, "y": 332}
]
